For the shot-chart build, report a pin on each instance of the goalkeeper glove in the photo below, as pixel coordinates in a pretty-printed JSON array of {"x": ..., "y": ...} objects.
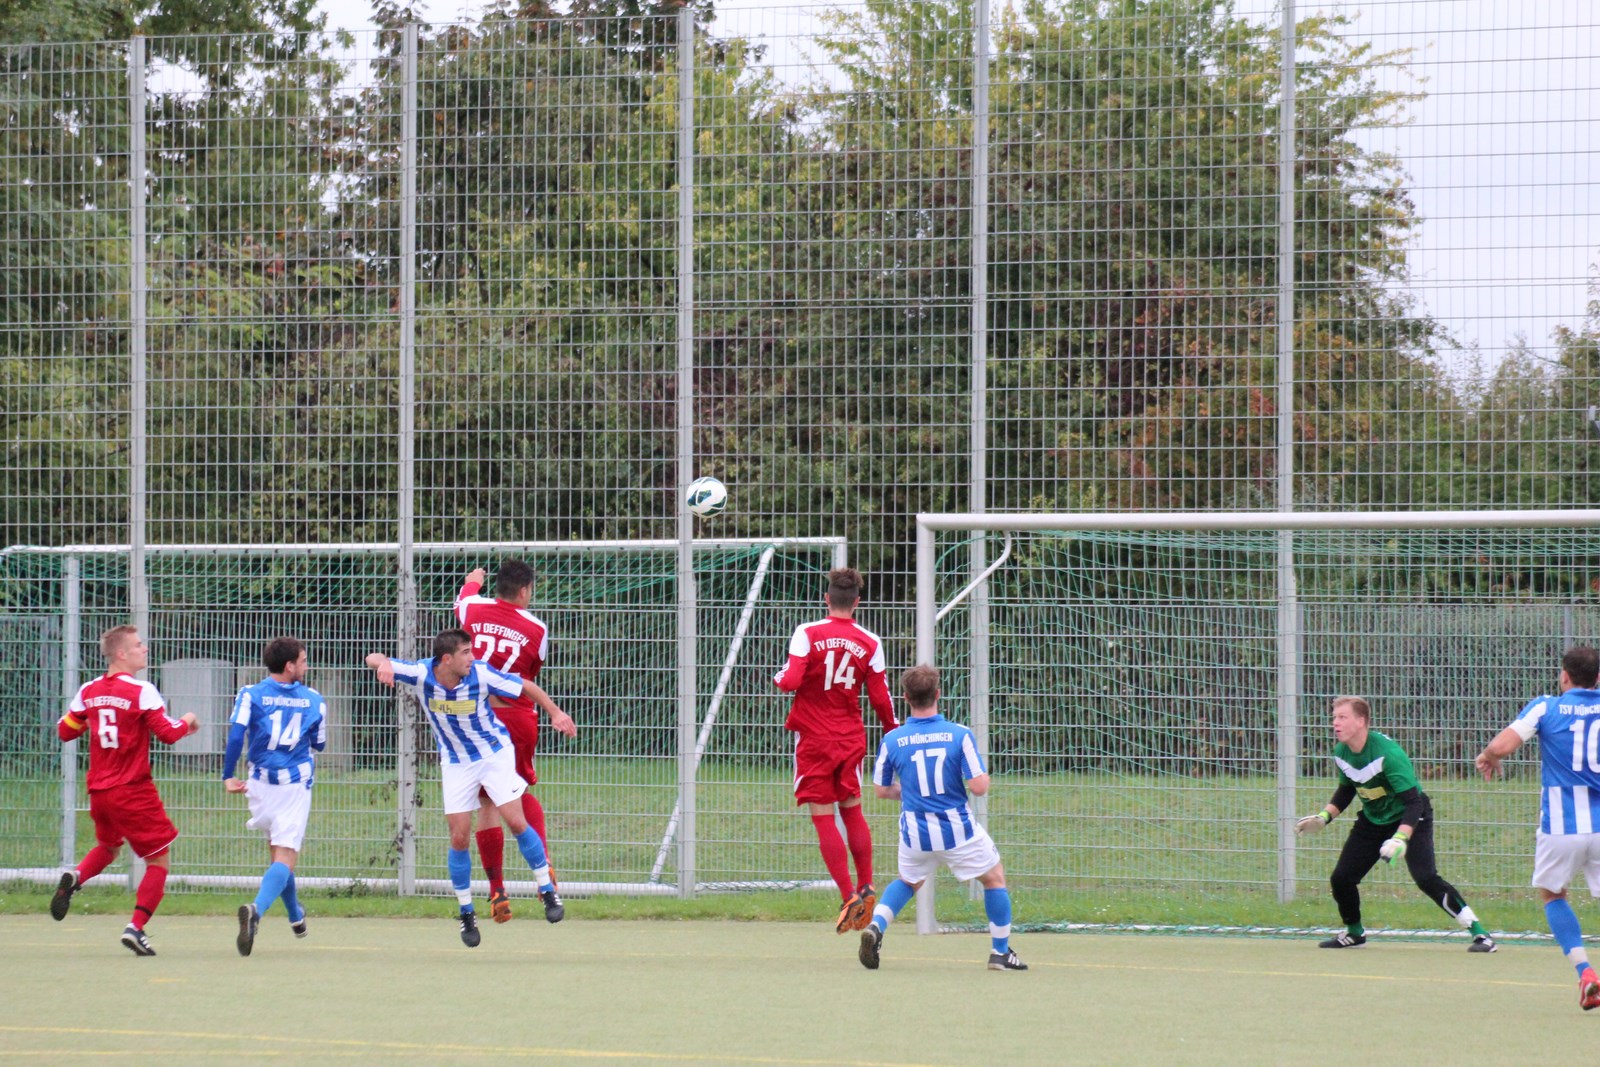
[
  {"x": 1312, "y": 823},
  {"x": 1393, "y": 849}
]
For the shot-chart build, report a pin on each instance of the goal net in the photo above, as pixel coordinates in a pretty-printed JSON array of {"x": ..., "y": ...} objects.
[
  {"x": 614, "y": 795},
  {"x": 1153, "y": 693}
]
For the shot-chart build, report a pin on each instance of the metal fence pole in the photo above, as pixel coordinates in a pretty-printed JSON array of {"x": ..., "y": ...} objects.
[
  {"x": 406, "y": 793},
  {"x": 687, "y": 617},
  {"x": 1288, "y": 597},
  {"x": 71, "y": 650},
  {"x": 927, "y": 597},
  {"x": 978, "y": 682},
  {"x": 138, "y": 400}
]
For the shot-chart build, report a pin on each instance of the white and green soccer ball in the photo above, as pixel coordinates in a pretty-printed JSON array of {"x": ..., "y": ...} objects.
[{"x": 707, "y": 497}]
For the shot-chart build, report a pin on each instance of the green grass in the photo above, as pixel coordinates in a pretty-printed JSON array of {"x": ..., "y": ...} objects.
[
  {"x": 718, "y": 993},
  {"x": 1078, "y": 848}
]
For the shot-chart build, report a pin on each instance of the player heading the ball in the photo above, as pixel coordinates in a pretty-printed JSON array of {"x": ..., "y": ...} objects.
[
  {"x": 830, "y": 661},
  {"x": 474, "y": 753},
  {"x": 509, "y": 637}
]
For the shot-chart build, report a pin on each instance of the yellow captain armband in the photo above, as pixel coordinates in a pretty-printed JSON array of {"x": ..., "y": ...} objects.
[{"x": 72, "y": 721}]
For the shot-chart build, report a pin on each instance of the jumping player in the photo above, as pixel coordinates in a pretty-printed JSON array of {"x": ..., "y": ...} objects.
[
  {"x": 510, "y": 638},
  {"x": 830, "y": 661}
]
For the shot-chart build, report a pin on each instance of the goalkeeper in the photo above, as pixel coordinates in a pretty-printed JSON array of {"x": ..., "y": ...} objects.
[{"x": 1396, "y": 822}]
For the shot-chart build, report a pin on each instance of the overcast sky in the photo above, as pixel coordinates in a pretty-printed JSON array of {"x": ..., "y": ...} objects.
[{"x": 1503, "y": 153}]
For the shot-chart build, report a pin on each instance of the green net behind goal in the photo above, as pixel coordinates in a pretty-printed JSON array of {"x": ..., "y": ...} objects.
[
  {"x": 1135, "y": 723},
  {"x": 613, "y": 617}
]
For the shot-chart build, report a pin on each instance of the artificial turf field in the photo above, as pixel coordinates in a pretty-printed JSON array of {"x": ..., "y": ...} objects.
[{"x": 652, "y": 992}]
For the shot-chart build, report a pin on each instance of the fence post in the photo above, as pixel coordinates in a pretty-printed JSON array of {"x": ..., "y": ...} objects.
[
  {"x": 687, "y": 617},
  {"x": 406, "y": 749},
  {"x": 138, "y": 394},
  {"x": 71, "y": 650},
  {"x": 978, "y": 638},
  {"x": 1288, "y": 597}
]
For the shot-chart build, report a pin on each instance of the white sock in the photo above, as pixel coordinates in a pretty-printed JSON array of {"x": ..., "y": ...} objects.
[{"x": 1465, "y": 918}]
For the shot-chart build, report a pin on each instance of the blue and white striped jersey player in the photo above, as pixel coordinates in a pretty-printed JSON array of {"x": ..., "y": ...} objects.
[
  {"x": 474, "y": 753},
  {"x": 937, "y": 765},
  {"x": 280, "y": 724},
  {"x": 1568, "y": 728}
]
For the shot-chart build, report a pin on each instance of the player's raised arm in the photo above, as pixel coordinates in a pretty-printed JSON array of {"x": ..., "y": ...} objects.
[
  {"x": 471, "y": 586},
  {"x": 380, "y": 665},
  {"x": 560, "y": 721}
]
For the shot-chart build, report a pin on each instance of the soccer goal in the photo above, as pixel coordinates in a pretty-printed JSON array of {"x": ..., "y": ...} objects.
[
  {"x": 1152, "y": 691},
  {"x": 649, "y": 798}
]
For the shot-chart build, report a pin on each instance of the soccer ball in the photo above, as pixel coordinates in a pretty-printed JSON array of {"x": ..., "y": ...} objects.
[{"x": 707, "y": 497}]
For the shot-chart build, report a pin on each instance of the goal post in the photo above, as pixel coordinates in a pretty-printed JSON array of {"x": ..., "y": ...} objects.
[
  {"x": 1109, "y": 637},
  {"x": 620, "y": 821}
]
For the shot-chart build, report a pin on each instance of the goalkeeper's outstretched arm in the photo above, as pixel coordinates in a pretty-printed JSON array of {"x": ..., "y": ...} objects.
[{"x": 1342, "y": 797}]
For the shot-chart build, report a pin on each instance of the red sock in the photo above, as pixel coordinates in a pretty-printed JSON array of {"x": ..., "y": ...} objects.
[
  {"x": 492, "y": 851},
  {"x": 98, "y": 859},
  {"x": 860, "y": 838},
  {"x": 151, "y": 889},
  {"x": 833, "y": 853},
  {"x": 533, "y": 811}
]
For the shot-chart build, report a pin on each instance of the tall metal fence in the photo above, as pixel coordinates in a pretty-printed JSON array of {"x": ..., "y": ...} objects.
[{"x": 520, "y": 281}]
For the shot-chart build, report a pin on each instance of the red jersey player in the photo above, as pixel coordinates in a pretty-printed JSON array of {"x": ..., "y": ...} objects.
[
  {"x": 120, "y": 713},
  {"x": 829, "y": 662},
  {"x": 509, "y": 637}
]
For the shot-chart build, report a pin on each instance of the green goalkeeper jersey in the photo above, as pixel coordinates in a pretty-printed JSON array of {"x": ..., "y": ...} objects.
[{"x": 1379, "y": 772}]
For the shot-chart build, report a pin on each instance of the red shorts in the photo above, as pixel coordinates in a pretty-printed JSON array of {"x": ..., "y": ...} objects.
[
  {"x": 132, "y": 813},
  {"x": 523, "y": 726},
  {"x": 826, "y": 772}
]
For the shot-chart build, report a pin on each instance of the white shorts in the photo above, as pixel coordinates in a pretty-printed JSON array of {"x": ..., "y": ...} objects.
[
  {"x": 1557, "y": 858},
  {"x": 281, "y": 810},
  {"x": 497, "y": 775},
  {"x": 976, "y": 857}
]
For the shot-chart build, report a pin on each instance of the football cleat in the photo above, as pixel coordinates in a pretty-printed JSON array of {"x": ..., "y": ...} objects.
[
  {"x": 855, "y": 913},
  {"x": 1485, "y": 943},
  {"x": 298, "y": 925},
  {"x": 554, "y": 910},
  {"x": 469, "y": 930},
  {"x": 137, "y": 943},
  {"x": 871, "y": 939},
  {"x": 500, "y": 906},
  {"x": 62, "y": 900},
  {"x": 1588, "y": 991},
  {"x": 249, "y": 921},
  {"x": 1345, "y": 940},
  {"x": 869, "y": 900},
  {"x": 1006, "y": 961}
]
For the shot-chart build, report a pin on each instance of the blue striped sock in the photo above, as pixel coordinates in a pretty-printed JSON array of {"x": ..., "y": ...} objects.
[
  {"x": 272, "y": 882},
  {"x": 997, "y": 905},
  {"x": 896, "y": 895},
  {"x": 459, "y": 861}
]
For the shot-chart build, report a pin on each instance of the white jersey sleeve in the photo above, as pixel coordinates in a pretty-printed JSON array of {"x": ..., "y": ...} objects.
[
  {"x": 971, "y": 762},
  {"x": 242, "y": 706},
  {"x": 150, "y": 697},
  {"x": 799, "y": 644},
  {"x": 1526, "y": 724},
  {"x": 498, "y": 682}
]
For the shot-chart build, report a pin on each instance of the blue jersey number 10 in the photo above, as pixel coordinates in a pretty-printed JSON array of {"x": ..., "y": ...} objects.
[{"x": 1586, "y": 742}]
